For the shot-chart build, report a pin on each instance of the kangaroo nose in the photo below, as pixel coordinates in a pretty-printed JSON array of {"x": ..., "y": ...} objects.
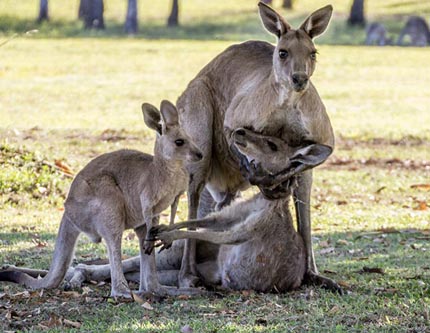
[{"x": 299, "y": 80}]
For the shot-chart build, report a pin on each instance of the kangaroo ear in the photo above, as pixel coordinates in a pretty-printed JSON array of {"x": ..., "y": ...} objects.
[
  {"x": 151, "y": 117},
  {"x": 312, "y": 155},
  {"x": 169, "y": 113},
  {"x": 272, "y": 21},
  {"x": 318, "y": 21}
]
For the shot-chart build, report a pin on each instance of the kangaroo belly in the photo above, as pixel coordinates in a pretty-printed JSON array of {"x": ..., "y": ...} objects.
[{"x": 263, "y": 265}]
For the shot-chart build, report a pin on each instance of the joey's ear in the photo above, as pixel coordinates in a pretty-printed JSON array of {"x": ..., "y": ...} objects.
[
  {"x": 312, "y": 155},
  {"x": 169, "y": 113},
  {"x": 272, "y": 21},
  {"x": 318, "y": 21},
  {"x": 151, "y": 117}
]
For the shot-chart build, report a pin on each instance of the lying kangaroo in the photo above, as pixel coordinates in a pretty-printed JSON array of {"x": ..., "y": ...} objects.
[
  {"x": 255, "y": 85},
  {"x": 122, "y": 190},
  {"x": 376, "y": 34},
  {"x": 417, "y": 29},
  {"x": 259, "y": 247}
]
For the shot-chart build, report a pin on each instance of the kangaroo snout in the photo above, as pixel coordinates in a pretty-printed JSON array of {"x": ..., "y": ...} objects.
[
  {"x": 195, "y": 155},
  {"x": 300, "y": 81}
]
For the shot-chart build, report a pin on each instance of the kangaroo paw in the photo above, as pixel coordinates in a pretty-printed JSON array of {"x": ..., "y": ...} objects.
[{"x": 324, "y": 282}]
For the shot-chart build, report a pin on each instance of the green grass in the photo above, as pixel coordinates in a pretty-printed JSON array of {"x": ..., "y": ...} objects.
[
  {"x": 202, "y": 20},
  {"x": 71, "y": 99}
]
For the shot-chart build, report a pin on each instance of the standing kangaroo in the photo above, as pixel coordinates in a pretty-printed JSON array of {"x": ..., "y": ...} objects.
[
  {"x": 259, "y": 247},
  {"x": 418, "y": 30},
  {"x": 122, "y": 190},
  {"x": 255, "y": 85},
  {"x": 376, "y": 34}
]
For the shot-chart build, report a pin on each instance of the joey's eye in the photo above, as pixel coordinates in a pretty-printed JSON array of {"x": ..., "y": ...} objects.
[
  {"x": 283, "y": 54},
  {"x": 313, "y": 55},
  {"x": 179, "y": 142},
  {"x": 272, "y": 146}
]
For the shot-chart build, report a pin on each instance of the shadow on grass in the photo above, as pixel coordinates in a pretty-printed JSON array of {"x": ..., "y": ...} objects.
[{"x": 401, "y": 276}]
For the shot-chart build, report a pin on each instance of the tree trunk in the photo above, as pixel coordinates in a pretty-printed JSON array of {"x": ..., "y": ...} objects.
[
  {"x": 356, "y": 16},
  {"x": 43, "y": 11},
  {"x": 91, "y": 12},
  {"x": 287, "y": 4},
  {"x": 130, "y": 26},
  {"x": 173, "y": 19}
]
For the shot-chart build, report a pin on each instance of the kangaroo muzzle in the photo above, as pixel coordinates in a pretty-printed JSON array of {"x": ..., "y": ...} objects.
[{"x": 300, "y": 81}]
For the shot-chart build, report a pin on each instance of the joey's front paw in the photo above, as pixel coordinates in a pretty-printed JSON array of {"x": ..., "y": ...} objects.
[
  {"x": 155, "y": 231},
  {"x": 148, "y": 246}
]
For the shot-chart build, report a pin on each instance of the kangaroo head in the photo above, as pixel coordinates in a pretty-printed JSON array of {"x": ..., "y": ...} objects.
[
  {"x": 172, "y": 142},
  {"x": 275, "y": 155},
  {"x": 294, "y": 58}
]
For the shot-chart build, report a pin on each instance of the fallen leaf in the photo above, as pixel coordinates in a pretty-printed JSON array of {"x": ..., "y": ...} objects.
[
  {"x": 379, "y": 190},
  {"x": 416, "y": 246},
  {"x": 425, "y": 187},
  {"x": 422, "y": 205},
  {"x": 63, "y": 167},
  {"x": 184, "y": 297},
  {"x": 324, "y": 243},
  {"x": 342, "y": 242},
  {"x": 334, "y": 309},
  {"x": 53, "y": 321},
  {"x": 388, "y": 230},
  {"x": 137, "y": 298},
  {"x": 147, "y": 306},
  {"x": 71, "y": 294},
  {"x": 86, "y": 290},
  {"x": 343, "y": 284},
  {"x": 74, "y": 324}
]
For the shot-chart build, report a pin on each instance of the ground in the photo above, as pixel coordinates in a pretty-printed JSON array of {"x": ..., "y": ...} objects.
[{"x": 66, "y": 100}]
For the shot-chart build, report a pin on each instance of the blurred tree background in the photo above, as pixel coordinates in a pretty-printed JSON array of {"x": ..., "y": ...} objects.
[{"x": 196, "y": 19}]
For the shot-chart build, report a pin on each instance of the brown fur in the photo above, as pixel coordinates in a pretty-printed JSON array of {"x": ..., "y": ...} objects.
[
  {"x": 259, "y": 247},
  {"x": 122, "y": 190},
  {"x": 249, "y": 85}
]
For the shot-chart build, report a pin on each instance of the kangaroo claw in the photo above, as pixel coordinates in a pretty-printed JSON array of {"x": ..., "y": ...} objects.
[{"x": 323, "y": 282}]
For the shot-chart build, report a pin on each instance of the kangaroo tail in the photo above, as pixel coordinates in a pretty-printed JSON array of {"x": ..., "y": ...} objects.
[{"x": 63, "y": 254}]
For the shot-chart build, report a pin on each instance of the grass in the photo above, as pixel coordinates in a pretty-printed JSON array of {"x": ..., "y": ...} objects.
[{"x": 67, "y": 100}]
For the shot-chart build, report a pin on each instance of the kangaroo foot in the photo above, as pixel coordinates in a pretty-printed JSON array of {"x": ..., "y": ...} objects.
[
  {"x": 163, "y": 291},
  {"x": 312, "y": 278},
  {"x": 188, "y": 280}
]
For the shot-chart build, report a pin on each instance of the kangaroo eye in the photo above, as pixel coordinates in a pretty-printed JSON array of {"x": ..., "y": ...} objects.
[
  {"x": 283, "y": 54},
  {"x": 272, "y": 146},
  {"x": 179, "y": 142},
  {"x": 313, "y": 55}
]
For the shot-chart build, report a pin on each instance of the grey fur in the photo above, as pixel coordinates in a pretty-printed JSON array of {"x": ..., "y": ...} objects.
[
  {"x": 125, "y": 189},
  {"x": 249, "y": 85}
]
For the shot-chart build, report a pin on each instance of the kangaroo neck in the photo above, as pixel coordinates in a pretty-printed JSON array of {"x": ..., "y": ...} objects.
[
  {"x": 286, "y": 95},
  {"x": 168, "y": 166}
]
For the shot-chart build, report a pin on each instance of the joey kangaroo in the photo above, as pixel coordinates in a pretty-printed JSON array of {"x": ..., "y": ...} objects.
[
  {"x": 259, "y": 247},
  {"x": 418, "y": 30},
  {"x": 255, "y": 85},
  {"x": 122, "y": 190},
  {"x": 376, "y": 34}
]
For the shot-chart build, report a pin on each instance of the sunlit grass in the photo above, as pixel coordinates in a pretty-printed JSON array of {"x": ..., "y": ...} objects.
[{"x": 73, "y": 99}]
